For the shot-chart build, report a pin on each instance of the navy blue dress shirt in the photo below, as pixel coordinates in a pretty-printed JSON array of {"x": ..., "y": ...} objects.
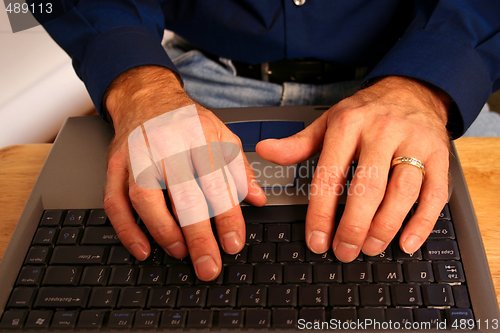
[{"x": 451, "y": 44}]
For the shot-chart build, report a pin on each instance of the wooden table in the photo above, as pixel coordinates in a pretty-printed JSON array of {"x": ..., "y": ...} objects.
[{"x": 20, "y": 165}]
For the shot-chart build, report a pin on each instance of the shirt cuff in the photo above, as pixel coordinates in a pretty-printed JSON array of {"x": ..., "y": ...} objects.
[
  {"x": 446, "y": 63},
  {"x": 114, "y": 52}
]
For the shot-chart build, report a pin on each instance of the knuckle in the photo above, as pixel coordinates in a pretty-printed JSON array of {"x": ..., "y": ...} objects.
[
  {"x": 371, "y": 182},
  {"x": 388, "y": 227},
  {"x": 407, "y": 185},
  {"x": 163, "y": 232},
  {"x": 203, "y": 243},
  {"x": 329, "y": 179},
  {"x": 353, "y": 231},
  {"x": 140, "y": 196}
]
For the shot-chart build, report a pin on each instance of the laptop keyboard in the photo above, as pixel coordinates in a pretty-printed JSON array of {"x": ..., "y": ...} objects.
[{"x": 77, "y": 274}]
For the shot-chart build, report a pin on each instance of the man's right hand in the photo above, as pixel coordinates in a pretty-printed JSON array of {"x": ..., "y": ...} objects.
[{"x": 134, "y": 97}]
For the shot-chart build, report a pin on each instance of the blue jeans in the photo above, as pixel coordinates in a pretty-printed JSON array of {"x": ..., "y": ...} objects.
[{"x": 216, "y": 85}]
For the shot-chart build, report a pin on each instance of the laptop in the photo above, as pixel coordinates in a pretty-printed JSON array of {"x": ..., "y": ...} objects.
[{"x": 65, "y": 268}]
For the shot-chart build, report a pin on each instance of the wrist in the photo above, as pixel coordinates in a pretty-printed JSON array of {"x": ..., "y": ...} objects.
[{"x": 141, "y": 92}]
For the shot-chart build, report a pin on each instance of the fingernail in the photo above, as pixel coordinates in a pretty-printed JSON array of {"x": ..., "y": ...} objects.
[
  {"x": 231, "y": 242},
  {"x": 206, "y": 268},
  {"x": 411, "y": 244},
  {"x": 139, "y": 251},
  {"x": 373, "y": 246},
  {"x": 318, "y": 241},
  {"x": 346, "y": 252},
  {"x": 177, "y": 249}
]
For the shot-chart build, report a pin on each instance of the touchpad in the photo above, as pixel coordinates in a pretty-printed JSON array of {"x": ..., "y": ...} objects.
[{"x": 270, "y": 175}]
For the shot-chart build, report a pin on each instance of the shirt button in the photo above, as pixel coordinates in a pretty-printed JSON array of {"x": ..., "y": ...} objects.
[{"x": 299, "y": 2}]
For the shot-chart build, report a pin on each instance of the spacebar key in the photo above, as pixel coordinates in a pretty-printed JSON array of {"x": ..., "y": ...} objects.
[
  {"x": 79, "y": 255},
  {"x": 58, "y": 297}
]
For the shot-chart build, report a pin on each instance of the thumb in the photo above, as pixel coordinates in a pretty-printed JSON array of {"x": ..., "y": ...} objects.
[{"x": 295, "y": 148}]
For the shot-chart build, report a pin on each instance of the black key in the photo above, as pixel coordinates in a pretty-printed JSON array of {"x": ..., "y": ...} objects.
[
  {"x": 119, "y": 256},
  {"x": 173, "y": 318},
  {"x": 38, "y": 319},
  {"x": 448, "y": 271},
  {"x": 298, "y": 273},
  {"x": 445, "y": 213},
  {"x": 312, "y": 315},
  {"x": 327, "y": 273},
  {"x": 238, "y": 258},
  {"x": 21, "y": 297},
  {"x": 343, "y": 295},
  {"x": 123, "y": 276},
  {"x": 152, "y": 275},
  {"x": 444, "y": 249},
  {"x": 298, "y": 232},
  {"x": 437, "y": 295},
  {"x": 121, "y": 319},
  {"x": 455, "y": 316},
  {"x": 78, "y": 255},
  {"x": 30, "y": 276},
  {"x": 75, "y": 217},
  {"x": 156, "y": 256},
  {"x": 64, "y": 319},
  {"x": 254, "y": 233},
  {"x": 37, "y": 255},
  {"x": 95, "y": 275},
  {"x": 406, "y": 295},
  {"x": 91, "y": 319},
  {"x": 385, "y": 255},
  {"x": 357, "y": 272},
  {"x": 62, "y": 297},
  {"x": 285, "y": 318},
  {"x": 374, "y": 295},
  {"x": 100, "y": 236},
  {"x": 180, "y": 274},
  {"x": 62, "y": 275},
  {"x": 69, "y": 235},
  {"x": 313, "y": 296},
  {"x": 45, "y": 236},
  {"x": 133, "y": 297},
  {"x": 399, "y": 315},
  {"x": 104, "y": 297},
  {"x": 219, "y": 296},
  {"x": 230, "y": 318},
  {"x": 257, "y": 318},
  {"x": 278, "y": 232},
  {"x": 291, "y": 252},
  {"x": 321, "y": 258},
  {"x": 282, "y": 295},
  {"x": 13, "y": 318},
  {"x": 198, "y": 318},
  {"x": 147, "y": 319},
  {"x": 374, "y": 314},
  {"x": 265, "y": 252},
  {"x": 400, "y": 255},
  {"x": 443, "y": 229},
  {"x": 344, "y": 315},
  {"x": 420, "y": 271},
  {"x": 387, "y": 272},
  {"x": 427, "y": 315},
  {"x": 250, "y": 296},
  {"x": 162, "y": 297},
  {"x": 192, "y": 297},
  {"x": 97, "y": 217},
  {"x": 238, "y": 274},
  {"x": 51, "y": 218},
  {"x": 461, "y": 296},
  {"x": 268, "y": 273}
]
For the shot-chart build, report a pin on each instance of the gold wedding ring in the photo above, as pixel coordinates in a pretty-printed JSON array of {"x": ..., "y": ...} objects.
[{"x": 409, "y": 160}]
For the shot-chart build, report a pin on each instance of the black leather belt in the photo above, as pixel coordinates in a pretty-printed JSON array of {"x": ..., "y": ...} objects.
[{"x": 300, "y": 71}]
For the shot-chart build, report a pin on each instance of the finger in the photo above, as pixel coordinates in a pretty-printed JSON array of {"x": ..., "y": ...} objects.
[
  {"x": 327, "y": 185},
  {"x": 231, "y": 230},
  {"x": 364, "y": 196},
  {"x": 203, "y": 250},
  {"x": 402, "y": 192},
  {"x": 295, "y": 148},
  {"x": 151, "y": 206},
  {"x": 241, "y": 171},
  {"x": 432, "y": 199},
  {"x": 117, "y": 207}
]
